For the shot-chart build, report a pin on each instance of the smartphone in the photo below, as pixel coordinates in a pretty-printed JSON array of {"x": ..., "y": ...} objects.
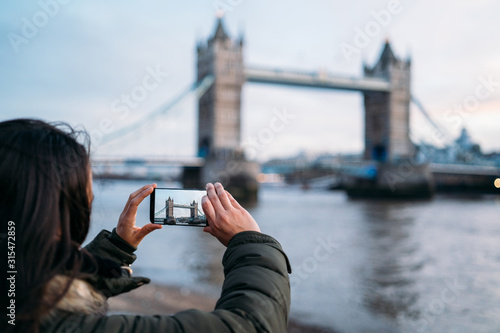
[{"x": 177, "y": 207}]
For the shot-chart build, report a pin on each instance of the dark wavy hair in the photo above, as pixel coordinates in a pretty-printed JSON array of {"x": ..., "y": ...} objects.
[{"x": 45, "y": 184}]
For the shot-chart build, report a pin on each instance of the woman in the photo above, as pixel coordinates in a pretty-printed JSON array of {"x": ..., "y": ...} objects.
[{"x": 45, "y": 202}]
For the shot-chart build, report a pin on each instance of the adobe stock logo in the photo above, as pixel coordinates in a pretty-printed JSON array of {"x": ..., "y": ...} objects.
[
  {"x": 373, "y": 28},
  {"x": 226, "y": 5},
  {"x": 437, "y": 306},
  {"x": 456, "y": 115},
  {"x": 140, "y": 92},
  {"x": 280, "y": 120},
  {"x": 121, "y": 106},
  {"x": 31, "y": 27},
  {"x": 324, "y": 249}
]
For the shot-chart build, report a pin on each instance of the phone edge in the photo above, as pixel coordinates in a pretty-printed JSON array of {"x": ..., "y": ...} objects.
[{"x": 152, "y": 206}]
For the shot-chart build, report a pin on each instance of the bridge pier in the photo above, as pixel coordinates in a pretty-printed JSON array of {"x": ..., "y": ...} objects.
[
  {"x": 237, "y": 175},
  {"x": 399, "y": 181}
]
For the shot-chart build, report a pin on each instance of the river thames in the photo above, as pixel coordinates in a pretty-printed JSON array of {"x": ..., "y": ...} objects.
[{"x": 358, "y": 265}]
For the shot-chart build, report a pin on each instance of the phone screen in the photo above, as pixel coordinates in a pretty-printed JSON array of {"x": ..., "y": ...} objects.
[{"x": 177, "y": 207}]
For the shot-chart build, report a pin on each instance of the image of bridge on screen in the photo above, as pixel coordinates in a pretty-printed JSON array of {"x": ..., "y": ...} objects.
[{"x": 179, "y": 207}]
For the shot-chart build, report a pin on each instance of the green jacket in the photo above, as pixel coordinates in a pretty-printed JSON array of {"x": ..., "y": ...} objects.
[{"x": 255, "y": 295}]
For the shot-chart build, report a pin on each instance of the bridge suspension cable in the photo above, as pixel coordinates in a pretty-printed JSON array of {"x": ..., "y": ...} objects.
[
  {"x": 428, "y": 117},
  {"x": 199, "y": 88},
  {"x": 158, "y": 213}
]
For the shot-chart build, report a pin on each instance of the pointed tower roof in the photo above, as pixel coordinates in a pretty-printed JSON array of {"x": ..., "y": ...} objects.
[
  {"x": 220, "y": 33},
  {"x": 387, "y": 52},
  {"x": 387, "y": 58}
]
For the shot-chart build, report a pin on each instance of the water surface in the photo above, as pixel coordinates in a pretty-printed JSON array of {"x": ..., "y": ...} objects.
[{"x": 359, "y": 266}]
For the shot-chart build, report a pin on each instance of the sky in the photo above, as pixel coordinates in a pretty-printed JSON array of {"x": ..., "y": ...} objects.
[{"x": 72, "y": 61}]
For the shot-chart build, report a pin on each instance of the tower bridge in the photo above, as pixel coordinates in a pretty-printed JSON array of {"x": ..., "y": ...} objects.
[
  {"x": 385, "y": 86},
  {"x": 221, "y": 74},
  {"x": 167, "y": 213}
]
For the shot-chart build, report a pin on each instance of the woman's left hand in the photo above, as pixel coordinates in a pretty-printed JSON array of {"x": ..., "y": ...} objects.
[{"x": 126, "y": 228}]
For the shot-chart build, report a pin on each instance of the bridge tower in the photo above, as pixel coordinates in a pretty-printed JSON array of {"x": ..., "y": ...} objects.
[
  {"x": 169, "y": 213},
  {"x": 194, "y": 209},
  {"x": 387, "y": 136},
  {"x": 170, "y": 207},
  {"x": 219, "y": 116},
  {"x": 387, "y": 115}
]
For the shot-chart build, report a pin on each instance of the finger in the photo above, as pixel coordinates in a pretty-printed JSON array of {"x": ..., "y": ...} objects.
[
  {"x": 141, "y": 196},
  {"x": 136, "y": 192},
  {"x": 140, "y": 280},
  {"x": 147, "y": 229},
  {"x": 214, "y": 198},
  {"x": 131, "y": 209},
  {"x": 207, "y": 229},
  {"x": 224, "y": 199},
  {"x": 233, "y": 201},
  {"x": 208, "y": 209}
]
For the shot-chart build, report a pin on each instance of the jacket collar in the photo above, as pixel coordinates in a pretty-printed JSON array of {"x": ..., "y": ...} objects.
[{"x": 80, "y": 298}]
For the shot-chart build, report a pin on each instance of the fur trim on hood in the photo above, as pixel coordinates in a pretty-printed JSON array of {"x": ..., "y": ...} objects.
[{"x": 81, "y": 298}]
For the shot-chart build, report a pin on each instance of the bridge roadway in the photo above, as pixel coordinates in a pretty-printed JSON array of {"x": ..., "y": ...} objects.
[
  {"x": 152, "y": 161},
  {"x": 320, "y": 79},
  {"x": 183, "y": 206}
]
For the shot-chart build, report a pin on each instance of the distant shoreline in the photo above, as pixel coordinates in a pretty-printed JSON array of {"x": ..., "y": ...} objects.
[{"x": 160, "y": 299}]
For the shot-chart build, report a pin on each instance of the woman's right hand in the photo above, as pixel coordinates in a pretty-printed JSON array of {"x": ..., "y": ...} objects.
[
  {"x": 225, "y": 215},
  {"x": 126, "y": 227}
]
